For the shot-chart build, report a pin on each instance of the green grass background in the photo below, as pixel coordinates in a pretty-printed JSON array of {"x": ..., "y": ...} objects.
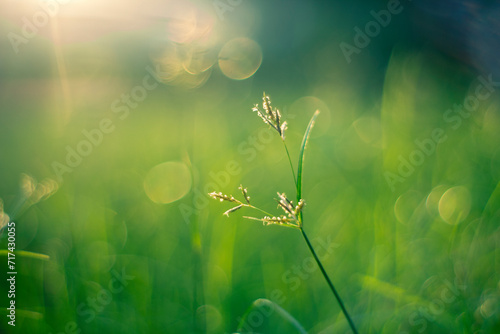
[{"x": 199, "y": 272}]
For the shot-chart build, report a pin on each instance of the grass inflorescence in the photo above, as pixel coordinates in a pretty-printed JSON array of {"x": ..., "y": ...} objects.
[{"x": 292, "y": 215}]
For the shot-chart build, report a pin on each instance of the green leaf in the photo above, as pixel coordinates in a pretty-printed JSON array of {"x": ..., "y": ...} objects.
[
  {"x": 26, "y": 254},
  {"x": 301, "y": 154},
  {"x": 262, "y": 302}
]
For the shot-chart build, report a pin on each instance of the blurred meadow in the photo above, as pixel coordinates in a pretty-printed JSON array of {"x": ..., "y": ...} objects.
[{"x": 117, "y": 118}]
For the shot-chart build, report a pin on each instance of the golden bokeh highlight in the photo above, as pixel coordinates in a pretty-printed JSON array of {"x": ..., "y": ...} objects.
[
  {"x": 188, "y": 51},
  {"x": 187, "y": 66},
  {"x": 187, "y": 23},
  {"x": 167, "y": 182},
  {"x": 240, "y": 58},
  {"x": 199, "y": 59},
  {"x": 432, "y": 202},
  {"x": 34, "y": 191},
  {"x": 455, "y": 204},
  {"x": 27, "y": 185}
]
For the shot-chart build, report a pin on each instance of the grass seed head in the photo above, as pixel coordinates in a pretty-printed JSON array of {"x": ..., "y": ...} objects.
[
  {"x": 271, "y": 116},
  {"x": 244, "y": 191},
  {"x": 288, "y": 207},
  {"x": 276, "y": 220},
  {"x": 220, "y": 196}
]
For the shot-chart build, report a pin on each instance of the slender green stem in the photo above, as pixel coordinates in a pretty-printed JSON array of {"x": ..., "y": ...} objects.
[
  {"x": 290, "y": 161},
  {"x": 256, "y": 208},
  {"x": 330, "y": 284},
  {"x": 298, "y": 187}
]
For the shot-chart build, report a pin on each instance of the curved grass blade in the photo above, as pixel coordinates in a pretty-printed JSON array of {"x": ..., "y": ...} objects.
[
  {"x": 24, "y": 313},
  {"x": 21, "y": 253},
  {"x": 262, "y": 302},
  {"x": 301, "y": 154}
]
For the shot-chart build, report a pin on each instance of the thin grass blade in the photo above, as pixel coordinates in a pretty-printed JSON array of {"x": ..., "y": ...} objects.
[
  {"x": 26, "y": 254},
  {"x": 262, "y": 302},
  {"x": 301, "y": 154}
]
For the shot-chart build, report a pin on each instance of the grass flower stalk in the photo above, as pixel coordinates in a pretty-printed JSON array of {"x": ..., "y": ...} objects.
[{"x": 292, "y": 215}]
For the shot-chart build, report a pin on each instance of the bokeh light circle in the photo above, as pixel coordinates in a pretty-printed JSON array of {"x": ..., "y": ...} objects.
[
  {"x": 167, "y": 182},
  {"x": 455, "y": 204},
  {"x": 240, "y": 58},
  {"x": 407, "y": 205},
  {"x": 432, "y": 201},
  {"x": 369, "y": 130},
  {"x": 305, "y": 107}
]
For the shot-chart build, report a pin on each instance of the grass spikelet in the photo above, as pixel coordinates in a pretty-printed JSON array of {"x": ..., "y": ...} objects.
[
  {"x": 220, "y": 196},
  {"x": 232, "y": 210},
  {"x": 245, "y": 193},
  {"x": 271, "y": 116}
]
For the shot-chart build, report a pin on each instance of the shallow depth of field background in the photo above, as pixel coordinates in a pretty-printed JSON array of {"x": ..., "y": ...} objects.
[{"x": 419, "y": 254}]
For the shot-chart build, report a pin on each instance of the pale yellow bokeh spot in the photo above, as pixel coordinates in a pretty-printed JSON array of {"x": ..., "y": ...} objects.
[
  {"x": 240, "y": 58},
  {"x": 455, "y": 204},
  {"x": 407, "y": 205},
  {"x": 432, "y": 202},
  {"x": 167, "y": 182},
  {"x": 28, "y": 185}
]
